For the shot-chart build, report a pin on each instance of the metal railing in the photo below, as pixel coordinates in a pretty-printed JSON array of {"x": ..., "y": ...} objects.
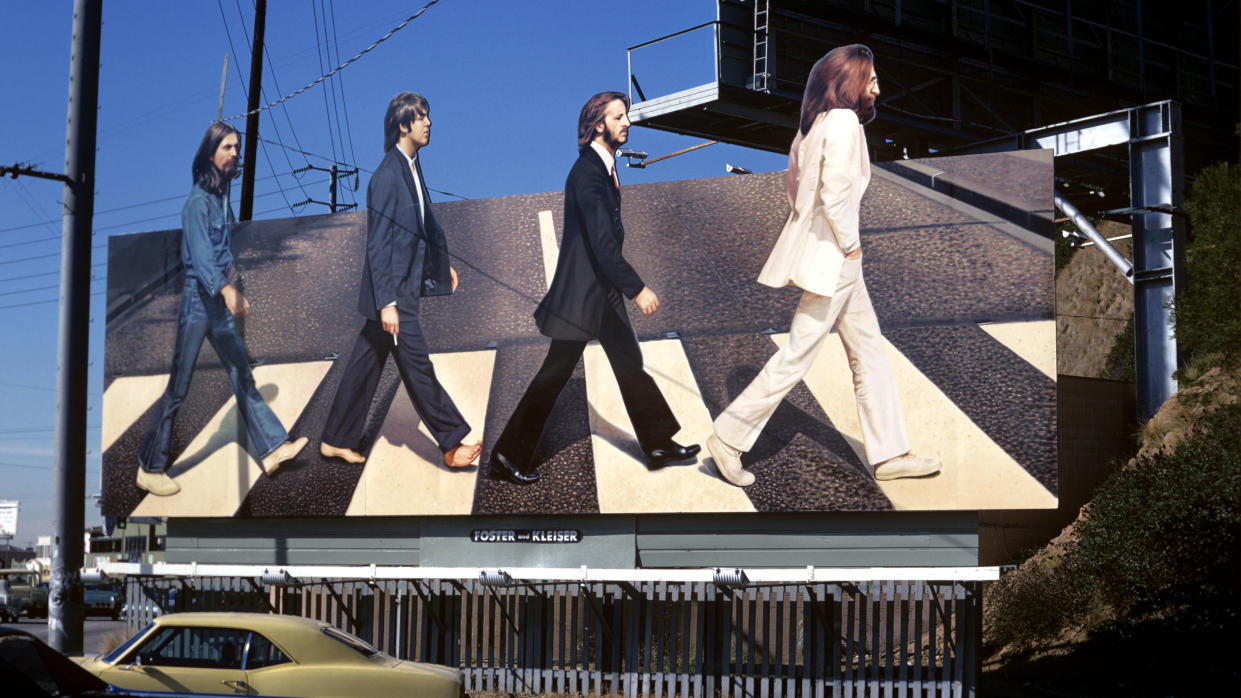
[{"x": 650, "y": 637}]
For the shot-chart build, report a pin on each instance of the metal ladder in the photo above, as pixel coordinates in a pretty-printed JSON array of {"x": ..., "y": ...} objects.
[{"x": 758, "y": 82}]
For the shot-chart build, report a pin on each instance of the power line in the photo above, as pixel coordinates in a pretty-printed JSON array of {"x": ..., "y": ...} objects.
[
  {"x": 342, "y": 66},
  {"x": 27, "y": 387},
  {"x": 46, "y": 273},
  {"x": 241, "y": 79},
  {"x": 319, "y": 50},
  {"x": 139, "y": 204},
  {"x": 344, "y": 101}
]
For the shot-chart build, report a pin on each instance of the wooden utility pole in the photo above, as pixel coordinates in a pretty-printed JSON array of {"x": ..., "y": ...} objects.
[
  {"x": 65, "y": 602},
  {"x": 252, "y": 116}
]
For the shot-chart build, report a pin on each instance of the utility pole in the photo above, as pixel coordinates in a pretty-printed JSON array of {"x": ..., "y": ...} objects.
[
  {"x": 252, "y": 114},
  {"x": 219, "y": 111},
  {"x": 65, "y": 605},
  {"x": 335, "y": 173}
]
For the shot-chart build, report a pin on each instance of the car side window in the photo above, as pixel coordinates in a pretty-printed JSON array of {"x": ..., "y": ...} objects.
[
  {"x": 263, "y": 653},
  {"x": 203, "y": 648}
]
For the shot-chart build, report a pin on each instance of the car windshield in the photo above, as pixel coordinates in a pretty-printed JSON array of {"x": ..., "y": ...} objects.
[
  {"x": 353, "y": 643},
  {"x": 117, "y": 653}
]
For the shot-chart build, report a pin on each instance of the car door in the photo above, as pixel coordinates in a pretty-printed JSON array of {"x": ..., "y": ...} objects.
[{"x": 188, "y": 659}]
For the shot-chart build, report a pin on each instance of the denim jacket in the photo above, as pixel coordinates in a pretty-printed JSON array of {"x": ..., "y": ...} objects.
[{"x": 206, "y": 252}]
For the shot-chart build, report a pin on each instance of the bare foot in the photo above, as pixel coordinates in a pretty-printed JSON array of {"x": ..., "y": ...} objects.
[
  {"x": 462, "y": 455},
  {"x": 345, "y": 454}
]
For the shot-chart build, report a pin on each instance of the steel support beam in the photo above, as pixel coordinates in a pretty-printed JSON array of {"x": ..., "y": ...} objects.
[{"x": 1154, "y": 138}]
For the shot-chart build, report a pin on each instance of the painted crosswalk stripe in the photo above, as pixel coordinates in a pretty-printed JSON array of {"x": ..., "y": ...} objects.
[
  {"x": 977, "y": 473},
  {"x": 1033, "y": 341},
  {"x": 214, "y": 471},
  {"x": 405, "y": 472},
  {"x": 623, "y": 480},
  {"x": 547, "y": 241},
  {"x": 126, "y": 400}
]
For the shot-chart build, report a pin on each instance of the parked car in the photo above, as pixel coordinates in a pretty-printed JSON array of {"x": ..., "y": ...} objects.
[
  {"x": 29, "y": 589},
  {"x": 103, "y": 600},
  {"x": 10, "y": 604},
  {"x": 31, "y": 669},
  {"x": 255, "y": 653}
]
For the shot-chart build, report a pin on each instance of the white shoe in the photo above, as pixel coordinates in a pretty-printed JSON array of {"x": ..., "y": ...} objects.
[
  {"x": 158, "y": 484},
  {"x": 907, "y": 465},
  {"x": 728, "y": 462},
  {"x": 283, "y": 452}
]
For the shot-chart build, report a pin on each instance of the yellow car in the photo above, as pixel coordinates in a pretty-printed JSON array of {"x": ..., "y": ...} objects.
[{"x": 260, "y": 654}]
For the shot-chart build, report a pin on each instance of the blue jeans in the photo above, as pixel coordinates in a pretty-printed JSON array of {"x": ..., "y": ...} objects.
[{"x": 202, "y": 316}]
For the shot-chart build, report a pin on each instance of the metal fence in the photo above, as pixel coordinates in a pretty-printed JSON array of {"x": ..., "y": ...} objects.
[{"x": 649, "y": 638}]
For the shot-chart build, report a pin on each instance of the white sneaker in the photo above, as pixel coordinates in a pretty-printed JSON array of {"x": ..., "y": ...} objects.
[
  {"x": 283, "y": 452},
  {"x": 907, "y": 465},
  {"x": 158, "y": 484},
  {"x": 728, "y": 462}
]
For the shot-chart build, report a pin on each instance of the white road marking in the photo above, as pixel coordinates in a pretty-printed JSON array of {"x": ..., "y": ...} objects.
[
  {"x": 624, "y": 483},
  {"x": 125, "y": 400},
  {"x": 1034, "y": 341},
  {"x": 214, "y": 471},
  {"x": 977, "y": 473},
  {"x": 405, "y": 472}
]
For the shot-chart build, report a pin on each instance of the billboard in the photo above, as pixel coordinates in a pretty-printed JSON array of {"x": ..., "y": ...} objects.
[
  {"x": 964, "y": 300},
  {"x": 8, "y": 518}
]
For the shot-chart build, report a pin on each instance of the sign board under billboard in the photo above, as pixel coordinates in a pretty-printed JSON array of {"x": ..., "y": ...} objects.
[
  {"x": 8, "y": 517},
  {"x": 965, "y": 305}
]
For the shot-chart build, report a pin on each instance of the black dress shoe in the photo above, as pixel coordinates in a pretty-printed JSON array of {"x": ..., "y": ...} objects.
[
  {"x": 503, "y": 469},
  {"x": 669, "y": 452}
]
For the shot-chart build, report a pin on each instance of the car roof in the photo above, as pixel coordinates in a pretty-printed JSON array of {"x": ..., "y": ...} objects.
[{"x": 301, "y": 638}]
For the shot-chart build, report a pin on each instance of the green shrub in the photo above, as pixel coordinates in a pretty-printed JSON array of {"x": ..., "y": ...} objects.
[
  {"x": 1162, "y": 537},
  {"x": 1120, "y": 364},
  {"x": 1208, "y": 310}
]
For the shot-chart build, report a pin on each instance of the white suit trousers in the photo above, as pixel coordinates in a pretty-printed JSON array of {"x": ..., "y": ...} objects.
[{"x": 874, "y": 386}]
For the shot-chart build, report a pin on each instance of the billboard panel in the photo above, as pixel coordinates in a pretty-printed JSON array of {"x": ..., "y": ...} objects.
[
  {"x": 8, "y": 518},
  {"x": 964, "y": 301}
]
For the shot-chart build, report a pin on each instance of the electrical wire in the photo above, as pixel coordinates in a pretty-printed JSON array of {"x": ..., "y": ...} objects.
[
  {"x": 241, "y": 78},
  {"x": 344, "y": 101},
  {"x": 319, "y": 50},
  {"x": 342, "y": 66}
]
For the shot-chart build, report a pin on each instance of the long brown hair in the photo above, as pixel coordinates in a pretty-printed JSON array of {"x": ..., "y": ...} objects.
[
  {"x": 203, "y": 168},
  {"x": 403, "y": 110},
  {"x": 592, "y": 115},
  {"x": 838, "y": 81}
]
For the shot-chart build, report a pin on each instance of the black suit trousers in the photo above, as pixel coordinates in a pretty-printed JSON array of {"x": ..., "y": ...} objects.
[
  {"x": 347, "y": 417},
  {"x": 652, "y": 419}
]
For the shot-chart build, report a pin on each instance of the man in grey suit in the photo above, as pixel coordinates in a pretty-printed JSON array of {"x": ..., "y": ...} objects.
[
  {"x": 586, "y": 301},
  {"x": 406, "y": 258}
]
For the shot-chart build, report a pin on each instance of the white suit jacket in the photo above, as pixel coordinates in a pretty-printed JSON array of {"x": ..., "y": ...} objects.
[{"x": 829, "y": 170}]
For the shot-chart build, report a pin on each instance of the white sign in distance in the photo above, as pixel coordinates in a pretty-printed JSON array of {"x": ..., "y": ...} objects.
[{"x": 8, "y": 518}]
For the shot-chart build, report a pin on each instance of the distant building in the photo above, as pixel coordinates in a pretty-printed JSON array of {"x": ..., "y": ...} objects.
[{"x": 13, "y": 556}]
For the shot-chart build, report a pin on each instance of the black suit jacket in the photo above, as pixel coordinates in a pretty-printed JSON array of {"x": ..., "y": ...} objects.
[
  {"x": 405, "y": 259},
  {"x": 591, "y": 274}
]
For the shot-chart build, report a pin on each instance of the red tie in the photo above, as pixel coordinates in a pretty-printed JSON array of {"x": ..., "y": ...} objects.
[{"x": 615, "y": 181}]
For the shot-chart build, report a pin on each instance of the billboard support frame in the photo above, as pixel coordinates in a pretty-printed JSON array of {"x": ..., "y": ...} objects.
[{"x": 1153, "y": 137}]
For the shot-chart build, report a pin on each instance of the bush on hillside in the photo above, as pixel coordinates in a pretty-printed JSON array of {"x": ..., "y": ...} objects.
[
  {"x": 1163, "y": 536},
  {"x": 1160, "y": 540},
  {"x": 1208, "y": 309}
]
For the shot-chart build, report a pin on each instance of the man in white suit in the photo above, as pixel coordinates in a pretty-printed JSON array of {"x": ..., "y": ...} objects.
[{"x": 820, "y": 252}]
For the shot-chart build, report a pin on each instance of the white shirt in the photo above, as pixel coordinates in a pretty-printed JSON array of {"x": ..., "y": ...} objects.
[
  {"x": 422, "y": 205},
  {"x": 609, "y": 160}
]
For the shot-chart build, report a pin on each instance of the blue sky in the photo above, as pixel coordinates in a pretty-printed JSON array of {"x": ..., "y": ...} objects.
[{"x": 505, "y": 81}]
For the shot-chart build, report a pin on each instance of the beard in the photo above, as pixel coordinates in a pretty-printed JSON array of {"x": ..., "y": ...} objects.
[{"x": 615, "y": 141}]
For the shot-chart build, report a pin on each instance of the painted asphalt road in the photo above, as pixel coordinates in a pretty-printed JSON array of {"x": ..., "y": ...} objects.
[{"x": 935, "y": 273}]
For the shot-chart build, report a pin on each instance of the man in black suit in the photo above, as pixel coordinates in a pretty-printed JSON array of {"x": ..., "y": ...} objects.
[
  {"x": 585, "y": 302},
  {"x": 406, "y": 258}
]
